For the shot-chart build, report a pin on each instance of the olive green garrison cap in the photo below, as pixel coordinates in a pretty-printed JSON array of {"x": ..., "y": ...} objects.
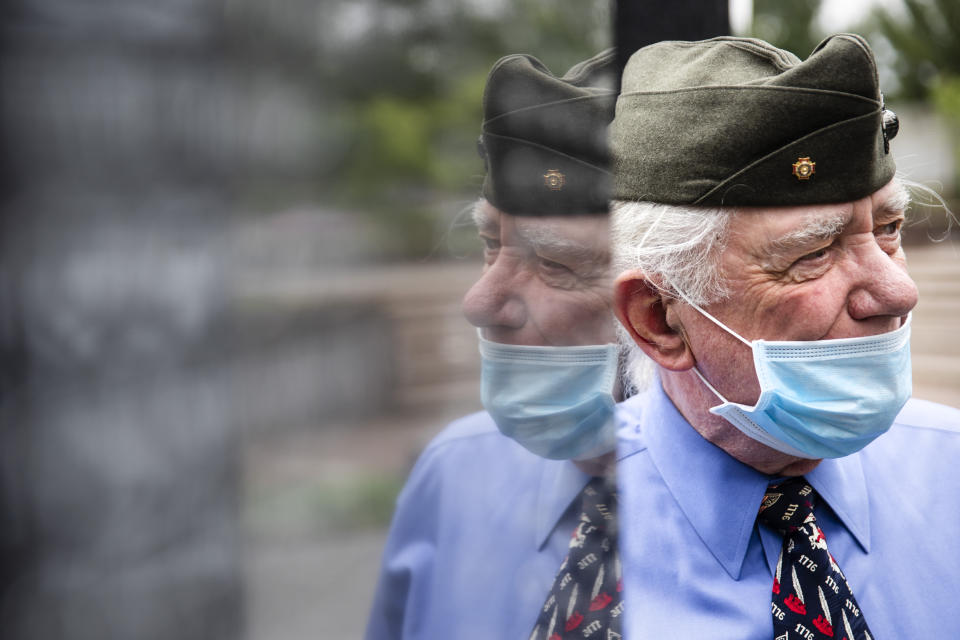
[
  {"x": 544, "y": 138},
  {"x": 738, "y": 122}
]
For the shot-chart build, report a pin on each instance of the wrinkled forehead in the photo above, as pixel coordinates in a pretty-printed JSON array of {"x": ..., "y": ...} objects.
[{"x": 587, "y": 234}]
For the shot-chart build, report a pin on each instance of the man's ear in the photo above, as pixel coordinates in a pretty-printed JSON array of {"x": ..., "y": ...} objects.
[{"x": 641, "y": 307}]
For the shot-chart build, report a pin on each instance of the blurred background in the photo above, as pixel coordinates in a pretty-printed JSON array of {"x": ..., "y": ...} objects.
[{"x": 234, "y": 242}]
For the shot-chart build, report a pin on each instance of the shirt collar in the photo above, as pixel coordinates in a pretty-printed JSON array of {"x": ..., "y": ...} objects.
[
  {"x": 560, "y": 484},
  {"x": 720, "y": 495},
  {"x": 842, "y": 485}
]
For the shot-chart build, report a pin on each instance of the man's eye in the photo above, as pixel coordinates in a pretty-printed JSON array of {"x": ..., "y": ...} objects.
[
  {"x": 815, "y": 255},
  {"x": 889, "y": 229},
  {"x": 490, "y": 244},
  {"x": 550, "y": 265}
]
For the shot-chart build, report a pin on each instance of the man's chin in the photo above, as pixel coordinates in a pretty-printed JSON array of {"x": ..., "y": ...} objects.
[
  {"x": 798, "y": 467},
  {"x": 598, "y": 466}
]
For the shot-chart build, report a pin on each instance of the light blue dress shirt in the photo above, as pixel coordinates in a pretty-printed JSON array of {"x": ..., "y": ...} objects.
[
  {"x": 696, "y": 564},
  {"x": 480, "y": 530}
]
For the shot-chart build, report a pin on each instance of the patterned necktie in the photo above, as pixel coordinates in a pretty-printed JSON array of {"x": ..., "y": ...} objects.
[
  {"x": 811, "y": 597},
  {"x": 585, "y": 601}
]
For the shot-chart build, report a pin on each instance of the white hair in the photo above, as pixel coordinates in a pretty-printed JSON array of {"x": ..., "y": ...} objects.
[
  {"x": 676, "y": 247},
  {"x": 927, "y": 198}
]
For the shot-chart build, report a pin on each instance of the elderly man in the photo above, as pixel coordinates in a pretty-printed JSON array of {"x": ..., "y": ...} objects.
[
  {"x": 485, "y": 520},
  {"x": 775, "y": 480}
]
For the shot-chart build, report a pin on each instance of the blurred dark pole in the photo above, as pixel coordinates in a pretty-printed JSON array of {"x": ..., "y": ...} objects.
[
  {"x": 118, "y": 488},
  {"x": 638, "y": 23},
  {"x": 17, "y": 553}
]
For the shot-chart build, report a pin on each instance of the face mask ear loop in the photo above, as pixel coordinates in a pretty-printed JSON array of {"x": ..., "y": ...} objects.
[
  {"x": 719, "y": 324},
  {"x": 708, "y": 385},
  {"x": 714, "y": 320}
]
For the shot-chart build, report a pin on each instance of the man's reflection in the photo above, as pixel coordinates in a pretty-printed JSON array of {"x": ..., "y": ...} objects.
[{"x": 489, "y": 511}]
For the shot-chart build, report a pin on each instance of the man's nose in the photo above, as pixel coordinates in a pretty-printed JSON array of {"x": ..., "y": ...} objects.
[
  {"x": 885, "y": 288},
  {"x": 495, "y": 299}
]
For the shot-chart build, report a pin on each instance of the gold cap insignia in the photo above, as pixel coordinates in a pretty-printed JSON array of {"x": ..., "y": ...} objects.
[
  {"x": 554, "y": 180},
  {"x": 804, "y": 167}
]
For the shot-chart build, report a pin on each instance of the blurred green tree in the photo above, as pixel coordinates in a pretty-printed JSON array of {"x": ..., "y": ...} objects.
[
  {"x": 409, "y": 88},
  {"x": 926, "y": 38},
  {"x": 395, "y": 87},
  {"x": 788, "y": 25}
]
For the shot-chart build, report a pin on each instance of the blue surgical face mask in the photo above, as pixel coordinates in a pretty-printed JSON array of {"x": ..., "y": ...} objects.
[
  {"x": 555, "y": 401},
  {"x": 822, "y": 398}
]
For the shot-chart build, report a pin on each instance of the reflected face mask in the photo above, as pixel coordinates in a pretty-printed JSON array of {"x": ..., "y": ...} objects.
[
  {"x": 822, "y": 398},
  {"x": 555, "y": 401}
]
